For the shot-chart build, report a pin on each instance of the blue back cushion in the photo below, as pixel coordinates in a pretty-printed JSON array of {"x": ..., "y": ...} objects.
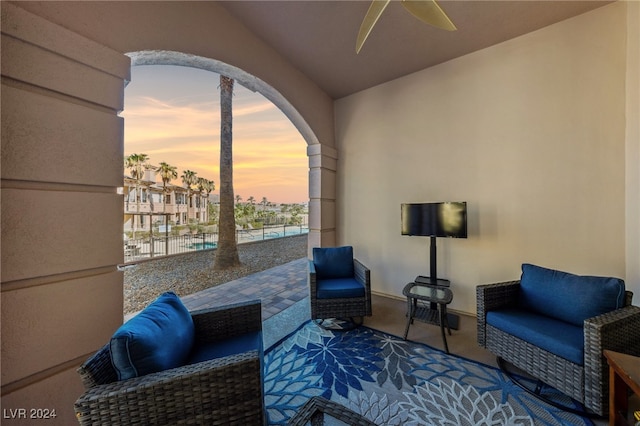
[
  {"x": 333, "y": 262},
  {"x": 568, "y": 297},
  {"x": 158, "y": 338}
]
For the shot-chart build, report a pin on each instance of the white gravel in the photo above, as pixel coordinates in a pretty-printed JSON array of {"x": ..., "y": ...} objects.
[{"x": 189, "y": 273}]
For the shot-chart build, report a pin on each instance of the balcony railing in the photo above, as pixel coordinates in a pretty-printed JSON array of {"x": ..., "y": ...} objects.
[{"x": 163, "y": 245}]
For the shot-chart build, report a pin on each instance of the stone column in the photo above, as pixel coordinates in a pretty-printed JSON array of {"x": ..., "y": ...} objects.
[{"x": 322, "y": 195}]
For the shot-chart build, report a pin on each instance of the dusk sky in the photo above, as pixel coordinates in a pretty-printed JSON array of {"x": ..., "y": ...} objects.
[{"x": 172, "y": 114}]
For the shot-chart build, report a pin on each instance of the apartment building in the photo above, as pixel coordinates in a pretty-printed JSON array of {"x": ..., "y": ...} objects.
[{"x": 154, "y": 201}]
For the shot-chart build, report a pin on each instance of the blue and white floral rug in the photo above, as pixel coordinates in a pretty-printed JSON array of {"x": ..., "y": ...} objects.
[{"x": 395, "y": 382}]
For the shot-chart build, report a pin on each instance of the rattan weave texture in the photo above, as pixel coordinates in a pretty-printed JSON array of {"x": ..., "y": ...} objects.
[
  {"x": 224, "y": 391},
  {"x": 341, "y": 307},
  {"x": 588, "y": 384}
]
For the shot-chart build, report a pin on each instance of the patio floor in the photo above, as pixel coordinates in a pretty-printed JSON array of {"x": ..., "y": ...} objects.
[
  {"x": 278, "y": 288},
  {"x": 283, "y": 291}
]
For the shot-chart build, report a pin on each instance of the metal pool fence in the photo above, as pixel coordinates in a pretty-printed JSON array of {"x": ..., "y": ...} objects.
[{"x": 162, "y": 245}]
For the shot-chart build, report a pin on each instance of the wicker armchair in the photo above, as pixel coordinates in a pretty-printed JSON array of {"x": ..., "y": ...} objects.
[
  {"x": 344, "y": 292},
  {"x": 222, "y": 391},
  {"x": 618, "y": 330}
]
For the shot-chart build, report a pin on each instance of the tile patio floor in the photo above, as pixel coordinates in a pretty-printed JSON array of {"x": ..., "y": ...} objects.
[{"x": 278, "y": 288}]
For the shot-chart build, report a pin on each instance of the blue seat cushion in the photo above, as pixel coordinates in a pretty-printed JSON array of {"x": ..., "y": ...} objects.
[
  {"x": 160, "y": 337},
  {"x": 333, "y": 262},
  {"x": 230, "y": 346},
  {"x": 568, "y": 297},
  {"x": 558, "y": 337},
  {"x": 339, "y": 288}
]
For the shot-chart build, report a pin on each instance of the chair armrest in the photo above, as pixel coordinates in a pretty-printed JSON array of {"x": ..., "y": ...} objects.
[
  {"x": 312, "y": 275},
  {"x": 220, "y": 323},
  {"x": 362, "y": 274},
  {"x": 179, "y": 393},
  {"x": 313, "y": 280},
  {"x": 628, "y": 297},
  {"x": 618, "y": 331},
  {"x": 490, "y": 297}
]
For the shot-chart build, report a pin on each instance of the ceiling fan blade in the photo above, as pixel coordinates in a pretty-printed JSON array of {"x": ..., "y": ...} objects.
[
  {"x": 429, "y": 11},
  {"x": 373, "y": 14}
]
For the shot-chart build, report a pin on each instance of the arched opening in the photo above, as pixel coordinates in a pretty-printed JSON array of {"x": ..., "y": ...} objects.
[
  {"x": 254, "y": 84},
  {"x": 246, "y": 85},
  {"x": 164, "y": 57},
  {"x": 322, "y": 158}
]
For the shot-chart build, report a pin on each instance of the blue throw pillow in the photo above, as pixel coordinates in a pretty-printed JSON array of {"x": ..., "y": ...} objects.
[
  {"x": 333, "y": 262},
  {"x": 158, "y": 338},
  {"x": 568, "y": 297}
]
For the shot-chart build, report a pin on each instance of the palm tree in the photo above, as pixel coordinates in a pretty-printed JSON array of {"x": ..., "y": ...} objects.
[
  {"x": 227, "y": 253},
  {"x": 296, "y": 209},
  {"x": 136, "y": 163},
  {"x": 188, "y": 178},
  {"x": 208, "y": 187},
  {"x": 201, "y": 183},
  {"x": 167, "y": 174}
]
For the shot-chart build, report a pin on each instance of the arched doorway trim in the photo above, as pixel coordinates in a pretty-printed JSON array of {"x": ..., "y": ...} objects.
[
  {"x": 322, "y": 159},
  {"x": 166, "y": 57}
]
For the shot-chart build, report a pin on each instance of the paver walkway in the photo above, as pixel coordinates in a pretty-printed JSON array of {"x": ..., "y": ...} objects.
[{"x": 278, "y": 288}]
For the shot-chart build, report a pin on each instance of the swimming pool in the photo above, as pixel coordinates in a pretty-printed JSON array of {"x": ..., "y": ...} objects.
[{"x": 203, "y": 246}]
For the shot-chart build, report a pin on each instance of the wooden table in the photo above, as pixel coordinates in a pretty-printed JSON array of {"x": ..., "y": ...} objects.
[{"x": 624, "y": 373}]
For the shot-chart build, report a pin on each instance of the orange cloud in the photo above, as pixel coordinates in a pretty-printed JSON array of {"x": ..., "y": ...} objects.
[{"x": 182, "y": 128}]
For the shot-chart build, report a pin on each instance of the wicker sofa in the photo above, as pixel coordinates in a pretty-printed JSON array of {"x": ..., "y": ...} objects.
[
  {"x": 219, "y": 383},
  {"x": 554, "y": 326},
  {"x": 339, "y": 285}
]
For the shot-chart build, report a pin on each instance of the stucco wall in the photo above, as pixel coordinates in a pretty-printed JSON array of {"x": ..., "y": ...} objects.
[
  {"x": 530, "y": 132},
  {"x": 633, "y": 148},
  {"x": 206, "y": 29},
  {"x": 63, "y": 73},
  {"x": 61, "y": 221}
]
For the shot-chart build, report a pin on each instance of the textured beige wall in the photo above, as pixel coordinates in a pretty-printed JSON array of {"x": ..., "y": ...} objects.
[
  {"x": 61, "y": 220},
  {"x": 633, "y": 148},
  {"x": 63, "y": 69},
  {"x": 531, "y": 133}
]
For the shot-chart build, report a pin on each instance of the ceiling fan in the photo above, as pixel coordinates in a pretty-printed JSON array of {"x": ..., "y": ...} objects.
[{"x": 427, "y": 11}]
